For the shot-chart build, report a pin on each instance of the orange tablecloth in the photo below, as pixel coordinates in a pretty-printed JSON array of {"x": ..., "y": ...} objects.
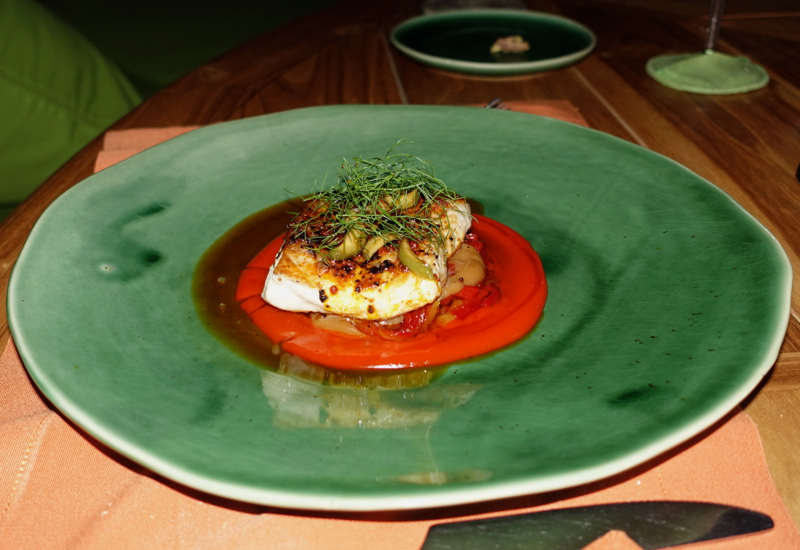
[{"x": 59, "y": 488}]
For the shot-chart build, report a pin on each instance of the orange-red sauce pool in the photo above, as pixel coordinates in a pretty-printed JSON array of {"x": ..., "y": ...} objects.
[{"x": 236, "y": 266}]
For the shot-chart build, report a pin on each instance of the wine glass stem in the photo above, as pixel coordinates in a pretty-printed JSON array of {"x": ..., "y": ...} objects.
[{"x": 715, "y": 13}]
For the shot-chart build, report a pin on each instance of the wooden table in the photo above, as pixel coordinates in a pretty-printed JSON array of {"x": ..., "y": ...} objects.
[{"x": 747, "y": 144}]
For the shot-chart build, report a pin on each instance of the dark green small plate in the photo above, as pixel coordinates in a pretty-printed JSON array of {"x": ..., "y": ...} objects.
[
  {"x": 667, "y": 305},
  {"x": 460, "y": 41}
]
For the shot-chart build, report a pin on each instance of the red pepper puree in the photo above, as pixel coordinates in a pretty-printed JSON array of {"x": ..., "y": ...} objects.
[{"x": 516, "y": 271}]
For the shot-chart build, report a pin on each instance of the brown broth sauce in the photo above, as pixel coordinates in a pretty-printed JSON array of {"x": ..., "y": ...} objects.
[
  {"x": 214, "y": 287},
  {"x": 216, "y": 275}
]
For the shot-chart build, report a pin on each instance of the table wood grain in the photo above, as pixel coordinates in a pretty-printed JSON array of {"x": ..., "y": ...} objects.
[{"x": 747, "y": 144}]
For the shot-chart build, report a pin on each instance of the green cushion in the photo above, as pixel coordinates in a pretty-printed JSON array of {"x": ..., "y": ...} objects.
[{"x": 57, "y": 93}]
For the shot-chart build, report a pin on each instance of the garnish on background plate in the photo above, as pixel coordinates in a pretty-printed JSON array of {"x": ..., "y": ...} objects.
[{"x": 510, "y": 44}]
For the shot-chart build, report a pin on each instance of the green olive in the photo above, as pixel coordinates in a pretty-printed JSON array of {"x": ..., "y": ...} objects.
[
  {"x": 350, "y": 246},
  {"x": 410, "y": 260},
  {"x": 403, "y": 202},
  {"x": 375, "y": 243}
]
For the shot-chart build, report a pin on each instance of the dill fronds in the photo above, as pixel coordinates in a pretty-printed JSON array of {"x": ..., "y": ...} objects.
[{"x": 393, "y": 197}]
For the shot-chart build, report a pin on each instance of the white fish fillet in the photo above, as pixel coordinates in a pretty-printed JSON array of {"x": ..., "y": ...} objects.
[{"x": 379, "y": 288}]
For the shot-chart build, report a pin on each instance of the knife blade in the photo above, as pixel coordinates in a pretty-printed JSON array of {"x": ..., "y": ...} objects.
[{"x": 651, "y": 524}]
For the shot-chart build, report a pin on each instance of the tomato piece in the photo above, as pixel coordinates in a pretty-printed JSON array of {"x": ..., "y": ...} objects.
[
  {"x": 492, "y": 298},
  {"x": 472, "y": 239},
  {"x": 413, "y": 323},
  {"x": 470, "y": 306},
  {"x": 467, "y": 293},
  {"x": 413, "y": 320}
]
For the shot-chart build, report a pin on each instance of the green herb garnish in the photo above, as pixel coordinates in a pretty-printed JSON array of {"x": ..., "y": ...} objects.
[{"x": 375, "y": 202}]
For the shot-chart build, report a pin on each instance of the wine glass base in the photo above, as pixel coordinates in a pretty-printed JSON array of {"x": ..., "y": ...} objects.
[{"x": 710, "y": 73}]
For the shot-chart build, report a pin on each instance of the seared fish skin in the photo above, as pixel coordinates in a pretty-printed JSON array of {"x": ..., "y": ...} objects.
[{"x": 304, "y": 279}]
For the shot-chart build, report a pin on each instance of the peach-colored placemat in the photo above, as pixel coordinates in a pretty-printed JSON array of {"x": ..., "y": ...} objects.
[
  {"x": 59, "y": 488},
  {"x": 553, "y": 108},
  {"x": 120, "y": 145},
  {"x": 123, "y": 144}
]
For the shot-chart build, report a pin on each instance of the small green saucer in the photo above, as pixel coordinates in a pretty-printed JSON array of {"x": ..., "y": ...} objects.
[
  {"x": 710, "y": 73},
  {"x": 461, "y": 41}
]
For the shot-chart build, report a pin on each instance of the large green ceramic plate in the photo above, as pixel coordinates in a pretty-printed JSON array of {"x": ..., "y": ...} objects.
[
  {"x": 667, "y": 306},
  {"x": 461, "y": 41}
]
